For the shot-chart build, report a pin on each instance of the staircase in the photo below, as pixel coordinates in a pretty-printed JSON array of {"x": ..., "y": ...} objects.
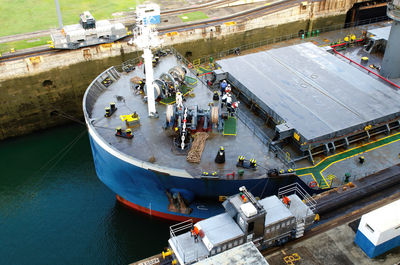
[{"x": 300, "y": 228}]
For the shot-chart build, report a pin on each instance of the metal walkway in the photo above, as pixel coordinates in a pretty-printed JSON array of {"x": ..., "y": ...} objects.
[{"x": 316, "y": 171}]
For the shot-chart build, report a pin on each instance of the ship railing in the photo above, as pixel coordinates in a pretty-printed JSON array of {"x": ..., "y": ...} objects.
[
  {"x": 295, "y": 188},
  {"x": 283, "y": 156},
  {"x": 131, "y": 62},
  {"x": 180, "y": 228},
  {"x": 263, "y": 137},
  {"x": 257, "y": 131},
  {"x": 96, "y": 88},
  {"x": 187, "y": 63}
]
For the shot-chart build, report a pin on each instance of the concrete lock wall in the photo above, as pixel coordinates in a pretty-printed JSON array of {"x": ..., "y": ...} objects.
[
  {"x": 32, "y": 88},
  {"x": 26, "y": 102}
]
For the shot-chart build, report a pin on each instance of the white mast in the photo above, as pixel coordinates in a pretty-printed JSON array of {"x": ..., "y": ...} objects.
[{"x": 146, "y": 38}]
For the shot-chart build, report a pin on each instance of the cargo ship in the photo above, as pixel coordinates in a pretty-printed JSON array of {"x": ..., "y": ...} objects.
[{"x": 172, "y": 143}]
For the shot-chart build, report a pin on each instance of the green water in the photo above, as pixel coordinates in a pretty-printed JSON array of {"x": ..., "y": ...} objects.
[{"x": 54, "y": 210}]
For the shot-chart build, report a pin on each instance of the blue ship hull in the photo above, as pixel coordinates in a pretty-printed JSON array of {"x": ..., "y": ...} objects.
[{"x": 145, "y": 190}]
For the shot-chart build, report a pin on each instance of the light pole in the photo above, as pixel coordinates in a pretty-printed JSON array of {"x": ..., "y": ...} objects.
[{"x": 60, "y": 23}]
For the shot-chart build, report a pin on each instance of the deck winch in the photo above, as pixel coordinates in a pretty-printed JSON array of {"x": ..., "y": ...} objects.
[
  {"x": 187, "y": 120},
  {"x": 168, "y": 84}
]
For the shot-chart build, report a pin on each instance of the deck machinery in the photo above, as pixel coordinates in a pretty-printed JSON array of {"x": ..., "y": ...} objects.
[{"x": 268, "y": 222}]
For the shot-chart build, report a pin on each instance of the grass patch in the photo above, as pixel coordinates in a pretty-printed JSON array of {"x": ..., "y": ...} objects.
[
  {"x": 193, "y": 16},
  {"x": 20, "y": 16},
  {"x": 23, "y": 44}
]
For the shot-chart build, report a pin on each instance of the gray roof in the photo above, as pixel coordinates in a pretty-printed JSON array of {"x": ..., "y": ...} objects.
[
  {"x": 276, "y": 211},
  {"x": 244, "y": 254},
  {"x": 317, "y": 93},
  {"x": 220, "y": 228}
]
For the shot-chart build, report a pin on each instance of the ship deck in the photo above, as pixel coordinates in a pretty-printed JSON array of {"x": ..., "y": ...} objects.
[{"x": 152, "y": 141}]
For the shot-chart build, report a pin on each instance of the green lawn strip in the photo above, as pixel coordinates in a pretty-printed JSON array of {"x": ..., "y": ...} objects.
[
  {"x": 23, "y": 44},
  {"x": 20, "y": 16},
  {"x": 316, "y": 170},
  {"x": 193, "y": 16}
]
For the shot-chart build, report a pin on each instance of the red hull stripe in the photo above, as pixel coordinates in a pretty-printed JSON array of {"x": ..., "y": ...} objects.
[{"x": 148, "y": 211}]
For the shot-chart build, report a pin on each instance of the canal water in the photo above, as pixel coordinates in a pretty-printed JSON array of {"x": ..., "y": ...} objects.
[{"x": 54, "y": 210}]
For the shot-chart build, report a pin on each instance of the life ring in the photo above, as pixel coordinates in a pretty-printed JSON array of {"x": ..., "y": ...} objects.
[
  {"x": 313, "y": 184},
  {"x": 190, "y": 66}
]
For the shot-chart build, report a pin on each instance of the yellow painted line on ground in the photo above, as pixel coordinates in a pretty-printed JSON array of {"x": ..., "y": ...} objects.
[
  {"x": 336, "y": 161},
  {"x": 312, "y": 175},
  {"x": 323, "y": 177},
  {"x": 353, "y": 149},
  {"x": 359, "y": 153}
]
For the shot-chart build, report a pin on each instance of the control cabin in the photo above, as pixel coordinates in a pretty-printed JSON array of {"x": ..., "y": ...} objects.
[{"x": 87, "y": 20}]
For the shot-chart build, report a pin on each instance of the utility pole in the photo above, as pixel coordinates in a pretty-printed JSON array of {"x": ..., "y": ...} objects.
[{"x": 60, "y": 24}]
